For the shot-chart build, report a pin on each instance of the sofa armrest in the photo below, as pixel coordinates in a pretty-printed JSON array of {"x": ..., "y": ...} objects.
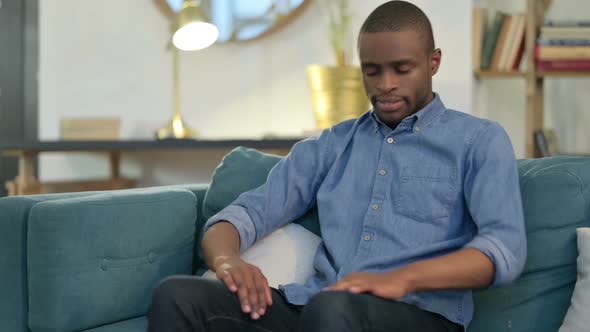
[
  {"x": 94, "y": 260},
  {"x": 14, "y": 213}
]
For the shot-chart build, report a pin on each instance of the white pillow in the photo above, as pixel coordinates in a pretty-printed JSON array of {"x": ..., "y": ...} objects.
[
  {"x": 577, "y": 318},
  {"x": 284, "y": 256}
]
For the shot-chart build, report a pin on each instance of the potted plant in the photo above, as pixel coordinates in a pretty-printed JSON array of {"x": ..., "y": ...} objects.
[{"x": 337, "y": 91}]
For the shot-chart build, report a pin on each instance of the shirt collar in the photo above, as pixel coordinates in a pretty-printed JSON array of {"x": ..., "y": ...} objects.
[{"x": 420, "y": 119}]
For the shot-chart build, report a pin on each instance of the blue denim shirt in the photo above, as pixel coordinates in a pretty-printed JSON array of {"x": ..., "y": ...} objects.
[{"x": 441, "y": 181}]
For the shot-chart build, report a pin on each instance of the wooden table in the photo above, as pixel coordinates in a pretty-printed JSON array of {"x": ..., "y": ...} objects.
[{"x": 26, "y": 183}]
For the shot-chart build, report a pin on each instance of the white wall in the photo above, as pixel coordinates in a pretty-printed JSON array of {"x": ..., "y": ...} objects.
[
  {"x": 503, "y": 100},
  {"x": 108, "y": 58}
]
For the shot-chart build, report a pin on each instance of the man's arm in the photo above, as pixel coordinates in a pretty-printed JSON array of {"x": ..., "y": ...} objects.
[
  {"x": 495, "y": 256},
  {"x": 221, "y": 250},
  {"x": 289, "y": 191},
  {"x": 492, "y": 195},
  {"x": 220, "y": 240},
  {"x": 462, "y": 269}
]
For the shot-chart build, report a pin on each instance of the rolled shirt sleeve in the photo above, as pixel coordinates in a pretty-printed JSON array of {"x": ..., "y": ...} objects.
[
  {"x": 492, "y": 194},
  {"x": 239, "y": 217},
  {"x": 289, "y": 191}
]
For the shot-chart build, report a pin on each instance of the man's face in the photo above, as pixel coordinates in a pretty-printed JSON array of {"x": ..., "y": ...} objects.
[{"x": 397, "y": 73}]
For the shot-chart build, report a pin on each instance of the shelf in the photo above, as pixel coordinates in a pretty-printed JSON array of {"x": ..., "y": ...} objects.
[
  {"x": 133, "y": 145},
  {"x": 509, "y": 74},
  {"x": 498, "y": 74},
  {"x": 563, "y": 74}
]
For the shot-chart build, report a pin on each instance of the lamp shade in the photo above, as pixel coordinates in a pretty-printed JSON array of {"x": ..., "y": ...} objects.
[{"x": 194, "y": 32}]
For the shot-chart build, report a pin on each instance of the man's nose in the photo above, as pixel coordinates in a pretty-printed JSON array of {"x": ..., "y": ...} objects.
[{"x": 389, "y": 81}]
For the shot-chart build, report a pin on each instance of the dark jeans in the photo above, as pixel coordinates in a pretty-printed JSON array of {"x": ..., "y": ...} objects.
[{"x": 191, "y": 304}]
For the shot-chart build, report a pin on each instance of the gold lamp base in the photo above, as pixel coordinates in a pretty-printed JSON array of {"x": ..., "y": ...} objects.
[{"x": 176, "y": 129}]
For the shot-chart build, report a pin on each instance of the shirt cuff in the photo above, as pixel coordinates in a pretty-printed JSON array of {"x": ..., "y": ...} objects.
[
  {"x": 506, "y": 265},
  {"x": 239, "y": 217}
]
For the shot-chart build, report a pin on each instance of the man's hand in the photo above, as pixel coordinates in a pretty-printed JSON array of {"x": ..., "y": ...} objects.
[
  {"x": 466, "y": 268},
  {"x": 247, "y": 281},
  {"x": 390, "y": 285}
]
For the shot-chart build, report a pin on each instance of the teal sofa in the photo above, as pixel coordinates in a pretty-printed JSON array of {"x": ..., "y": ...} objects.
[{"x": 89, "y": 261}]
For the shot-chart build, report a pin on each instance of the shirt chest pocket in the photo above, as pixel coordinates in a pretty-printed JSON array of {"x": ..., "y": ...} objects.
[{"x": 424, "y": 192}]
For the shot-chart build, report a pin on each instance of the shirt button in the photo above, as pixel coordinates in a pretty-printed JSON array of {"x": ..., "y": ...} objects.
[
  {"x": 416, "y": 129},
  {"x": 367, "y": 238},
  {"x": 390, "y": 140},
  {"x": 382, "y": 172},
  {"x": 375, "y": 207}
]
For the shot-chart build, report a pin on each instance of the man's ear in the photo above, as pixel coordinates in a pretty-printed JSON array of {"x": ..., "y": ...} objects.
[{"x": 435, "y": 61}]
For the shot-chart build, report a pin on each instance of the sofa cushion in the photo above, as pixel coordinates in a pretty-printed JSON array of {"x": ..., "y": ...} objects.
[
  {"x": 94, "y": 260},
  {"x": 241, "y": 170},
  {"x": 284, "y": 256},
  {"x": 577, "y": 318},
  {"x": 132, "y": 325},
  {"x": 555, "y": 194}
]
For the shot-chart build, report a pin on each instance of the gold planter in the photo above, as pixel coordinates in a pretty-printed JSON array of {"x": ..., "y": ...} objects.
[{"x": 337, "y": 94}]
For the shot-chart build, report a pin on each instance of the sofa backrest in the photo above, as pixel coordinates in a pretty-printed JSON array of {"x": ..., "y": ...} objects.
[{"x": 555, "y": 200}]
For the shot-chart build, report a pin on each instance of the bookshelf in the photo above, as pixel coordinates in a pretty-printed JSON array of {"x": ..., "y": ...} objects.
[
  {"x": 534, "y": 118},
  {"x": 498, "y": 74}
]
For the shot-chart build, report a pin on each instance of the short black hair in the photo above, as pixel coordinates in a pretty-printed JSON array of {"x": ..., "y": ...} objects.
[{"x": 394, "y": 16}]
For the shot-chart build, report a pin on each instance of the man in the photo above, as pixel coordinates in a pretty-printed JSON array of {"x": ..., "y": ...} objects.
[{"x": 418, "y": 204}]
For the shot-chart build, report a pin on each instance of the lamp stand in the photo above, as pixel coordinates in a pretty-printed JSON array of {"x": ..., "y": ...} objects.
[{"x": 176, "y": 128}]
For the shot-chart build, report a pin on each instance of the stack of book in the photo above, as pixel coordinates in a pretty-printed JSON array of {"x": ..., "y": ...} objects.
[
  {"x": 564, "y": 46},
  {"x": 499, "y": 45}
]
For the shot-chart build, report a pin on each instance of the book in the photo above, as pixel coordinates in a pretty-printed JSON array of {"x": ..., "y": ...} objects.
[
  {"x": 479, "y": 27},
  {"x": 102, "y": 128},
  {"x": 550, "y": 32},
  {"x": 509, "y": 44},
  {"x": 563, "y": 65},
  {"x": 516, "y": 50},
  {"x": 564, "y": 42},
  {"x": 547, "y": 142},
  {"x": 491, "y": 39},
  {"x": 541, "y": 143},
  {"x": 518, "y": 55},
  {"x": 544, "y": 52},
  {"x": 501, "y": 44},
  {"x": 567, "y": 23}
]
